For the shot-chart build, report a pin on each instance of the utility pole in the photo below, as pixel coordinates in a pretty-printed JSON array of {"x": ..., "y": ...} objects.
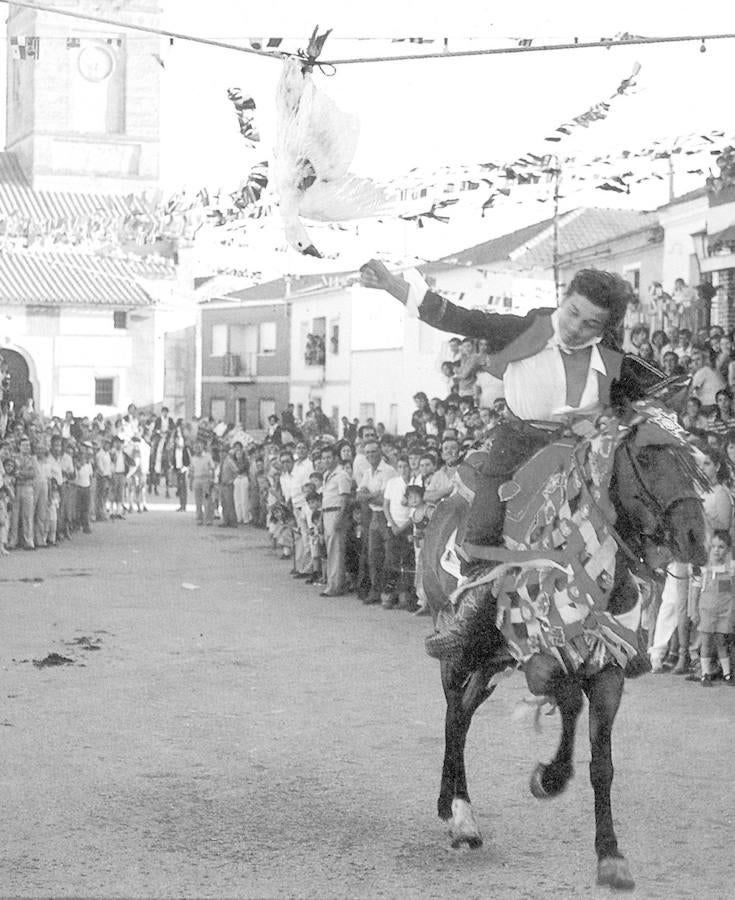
[
  {"x": 671, "y": 178},
  {"x": 555, "y": 251}
]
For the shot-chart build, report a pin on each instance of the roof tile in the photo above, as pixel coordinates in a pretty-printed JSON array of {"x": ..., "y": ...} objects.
[{"x": 75, "y": 279}]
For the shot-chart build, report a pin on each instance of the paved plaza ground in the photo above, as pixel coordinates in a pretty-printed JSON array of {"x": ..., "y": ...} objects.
[{"x": 223, "y": 731}]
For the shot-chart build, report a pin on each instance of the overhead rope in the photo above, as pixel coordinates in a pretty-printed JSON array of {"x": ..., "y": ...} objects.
[
  {"x": 148, "y": 29},
  {"x": 525, "y": 48},
  {"x": 445, "y": 53}
]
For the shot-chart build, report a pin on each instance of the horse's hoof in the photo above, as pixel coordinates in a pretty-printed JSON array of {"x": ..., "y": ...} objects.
[
  {"x": 615, "y": 872},
  {"x": 473, "y": 841},
  {"x": 560, "y": 778},
  {"x": 464, "y": 830},
  {"x": 536, "y": 784}
]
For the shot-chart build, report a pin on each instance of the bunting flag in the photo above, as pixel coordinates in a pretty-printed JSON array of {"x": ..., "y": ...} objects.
[
  {"x": 18, "y": 47},
  {"x": 260, "y": 43},
  {"x": 598, "y": 111},
  {"x": 245, "y": 110}
]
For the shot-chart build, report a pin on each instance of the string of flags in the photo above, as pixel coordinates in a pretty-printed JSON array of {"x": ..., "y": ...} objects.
[
  {"x": 597, "y": 112},
  {"x": 29, "y": 47},
  {"x": 25, "y": 47}
]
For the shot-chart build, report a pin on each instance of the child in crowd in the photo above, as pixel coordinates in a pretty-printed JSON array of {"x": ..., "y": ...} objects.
[
  {"x": 419, "y": 512},
  {"x": 712, "y": 607},
  {"x": 316, "y": 538},
  {"x": 5, "y": 502},
  {"x": 136, "y": 477},
  {"x": 54, "y": 503}
]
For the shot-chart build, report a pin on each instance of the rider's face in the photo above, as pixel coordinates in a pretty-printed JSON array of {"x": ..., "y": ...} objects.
[{"x": 580, "y": 321}]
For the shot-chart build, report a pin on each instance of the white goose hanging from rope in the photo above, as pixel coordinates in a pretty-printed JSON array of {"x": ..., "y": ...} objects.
[{"x": 315, "y": 146}]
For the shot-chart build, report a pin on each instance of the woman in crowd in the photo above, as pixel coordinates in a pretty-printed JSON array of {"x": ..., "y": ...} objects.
[
  {"x": 722, "y": 419},
  {"x": 181, "y": 462},
  {"x": 242, "y": 487},
  {"x": 660, "y": 343}
]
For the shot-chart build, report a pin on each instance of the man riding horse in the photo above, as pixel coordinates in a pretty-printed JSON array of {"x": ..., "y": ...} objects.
[{"x": 555, "y": 364}]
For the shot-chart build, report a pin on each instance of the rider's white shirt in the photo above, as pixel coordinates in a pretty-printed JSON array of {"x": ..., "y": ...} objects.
[{"x": 536, "y": 388}]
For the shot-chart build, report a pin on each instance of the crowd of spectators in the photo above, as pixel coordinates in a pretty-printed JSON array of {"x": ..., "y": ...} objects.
[
  {"x": 345, "y": 503},
  {"x": 347, "y": 509}
]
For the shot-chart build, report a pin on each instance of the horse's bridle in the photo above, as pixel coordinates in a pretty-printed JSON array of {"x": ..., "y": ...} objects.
[{"x": 647, "y": 494}]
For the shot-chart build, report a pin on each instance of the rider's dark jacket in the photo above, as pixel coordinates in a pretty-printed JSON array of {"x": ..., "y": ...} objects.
[{"x": 511, "y": 338}]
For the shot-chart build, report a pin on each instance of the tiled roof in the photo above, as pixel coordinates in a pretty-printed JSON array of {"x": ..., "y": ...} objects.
[
  {"x": 496, "y": 250},
  {"x": 685, "y": 198},
  {"x": 75, "y": 279},
  {"x": 299, "y": 284},
  {"x": 582, "y": 228},
  {"x": 18, "y": 198}
]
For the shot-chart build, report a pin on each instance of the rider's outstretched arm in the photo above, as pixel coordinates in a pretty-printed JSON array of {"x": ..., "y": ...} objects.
[{"x": 413, "y": 292}]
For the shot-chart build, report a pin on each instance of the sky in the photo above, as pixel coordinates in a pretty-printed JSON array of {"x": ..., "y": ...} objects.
[{"x": 448, "y": 111}]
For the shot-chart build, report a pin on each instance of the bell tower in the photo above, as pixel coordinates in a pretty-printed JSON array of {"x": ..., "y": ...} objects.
[{"x": 83, "y": 100}]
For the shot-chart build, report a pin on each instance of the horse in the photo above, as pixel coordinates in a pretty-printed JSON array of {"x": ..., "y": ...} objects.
[{"x": 633, "y": 489}]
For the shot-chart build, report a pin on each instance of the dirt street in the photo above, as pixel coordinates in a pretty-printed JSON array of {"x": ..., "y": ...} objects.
[{"x": 223, "y": 731}]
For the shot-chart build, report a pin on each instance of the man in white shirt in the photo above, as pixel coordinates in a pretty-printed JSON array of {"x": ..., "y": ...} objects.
[
  {"x": 399, "y": 550},
  {"x": 303, "y": 467},
  {"x": 441, "y": 482},
  {"x": 371, "y": 489},
  {"x": 103, "y": 476}
]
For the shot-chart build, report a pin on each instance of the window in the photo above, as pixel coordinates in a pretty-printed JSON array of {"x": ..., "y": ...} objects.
[
  {"x": 314, "y": 352},
  {"x": 219, "y": 340},
  {"x": 334, "y": 338},
  {"x": 218, "y": 409},
  {"x": 267, "y": 337},
  {"x": 299, "y": 412},
  {"x": 104, "y": 391},
  {"x": 119, "y": 319},
  {"x": 632, "y": 274}
]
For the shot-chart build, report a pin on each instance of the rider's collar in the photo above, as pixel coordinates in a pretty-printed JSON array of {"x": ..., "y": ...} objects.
[{"x": 556, "y": 341}]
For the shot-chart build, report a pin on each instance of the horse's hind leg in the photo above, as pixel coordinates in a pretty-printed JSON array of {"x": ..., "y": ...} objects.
[
  {"x": 454, "y": 801},
  {"x": 549, "y": 780},
  {"x": 604, "y": 691}
]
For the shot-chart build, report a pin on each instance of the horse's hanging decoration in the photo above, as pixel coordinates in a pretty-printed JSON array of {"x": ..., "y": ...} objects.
[{"x": 557, "y": 602}]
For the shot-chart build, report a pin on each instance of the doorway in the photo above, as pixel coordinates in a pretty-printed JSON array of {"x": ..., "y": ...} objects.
[
  {"x": 242, "y": 412},
  {"x": 15, "y": 383}
]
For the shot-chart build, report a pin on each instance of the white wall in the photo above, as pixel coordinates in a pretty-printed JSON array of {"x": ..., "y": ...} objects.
[
  {"x": 66, "y": 354},
  {"x": 679, "y": 223}
]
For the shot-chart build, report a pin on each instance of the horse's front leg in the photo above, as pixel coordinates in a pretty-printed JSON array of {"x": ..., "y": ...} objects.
[
  {"x": 454, "y": 800},
  {"x": 604, "y": 691},
  {"x": 549, "y": 780}
]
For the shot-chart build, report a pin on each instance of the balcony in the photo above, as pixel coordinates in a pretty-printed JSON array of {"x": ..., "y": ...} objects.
[
  {"x": 240, "y": 366},
  {"x": 315, "y": 353}
]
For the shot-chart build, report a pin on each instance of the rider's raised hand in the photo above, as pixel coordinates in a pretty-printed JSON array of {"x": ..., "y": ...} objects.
[{"x": 375, "y": 274}]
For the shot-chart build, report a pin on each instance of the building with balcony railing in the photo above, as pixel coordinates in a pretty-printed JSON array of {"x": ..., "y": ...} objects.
[{"x": 242, "y": 355}]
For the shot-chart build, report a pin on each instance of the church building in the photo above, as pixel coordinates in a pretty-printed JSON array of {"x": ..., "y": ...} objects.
[{"x": 80, "y": 325}]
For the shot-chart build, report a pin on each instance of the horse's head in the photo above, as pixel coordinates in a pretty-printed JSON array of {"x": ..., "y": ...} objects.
[{"x": 657, "y": 488}]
